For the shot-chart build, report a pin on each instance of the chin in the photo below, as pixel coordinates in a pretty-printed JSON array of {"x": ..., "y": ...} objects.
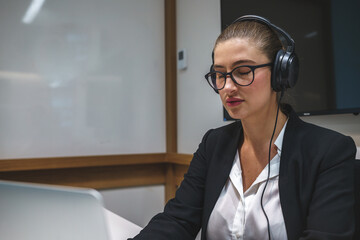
[{"x": 236, "y": 114}]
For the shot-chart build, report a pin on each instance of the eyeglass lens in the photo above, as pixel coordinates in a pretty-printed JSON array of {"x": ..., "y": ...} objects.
[{"x": 242, "y": 75}]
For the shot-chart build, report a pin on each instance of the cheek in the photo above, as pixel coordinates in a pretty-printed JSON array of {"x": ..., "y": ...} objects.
[
  {"x": 263, "y": 83},
  {"x": 260, "y": 87},
  {"x": 260, "y": 90}
]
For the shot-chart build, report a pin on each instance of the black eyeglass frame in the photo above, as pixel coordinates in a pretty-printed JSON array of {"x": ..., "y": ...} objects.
[{"x": 252, "y": 68}]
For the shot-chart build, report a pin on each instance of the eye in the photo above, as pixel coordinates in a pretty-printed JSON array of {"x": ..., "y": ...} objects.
[
  {"x": 242, "y": 71},
  {"x": 243, "y": 75},
  {"x": 219, "y": 75}
]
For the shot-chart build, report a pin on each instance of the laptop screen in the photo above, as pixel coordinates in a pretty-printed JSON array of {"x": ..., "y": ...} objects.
[{"x": 41, "y": 212}]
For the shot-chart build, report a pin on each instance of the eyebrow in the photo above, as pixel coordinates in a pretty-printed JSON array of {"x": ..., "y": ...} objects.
[{"x": 235, "y": 63}]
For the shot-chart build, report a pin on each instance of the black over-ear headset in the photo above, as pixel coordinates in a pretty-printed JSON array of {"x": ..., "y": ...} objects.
[{"x": 286, "y": 64}]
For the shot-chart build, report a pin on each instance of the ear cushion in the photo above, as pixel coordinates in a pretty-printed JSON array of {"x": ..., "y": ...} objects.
[
  {"x": 293, "y": 70},
  {"x": 285, "y": 71},
  {"x": 276, "y": 71}
]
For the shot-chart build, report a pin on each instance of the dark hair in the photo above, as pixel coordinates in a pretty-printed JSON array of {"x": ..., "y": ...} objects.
[{"x": 260, "y": 34}]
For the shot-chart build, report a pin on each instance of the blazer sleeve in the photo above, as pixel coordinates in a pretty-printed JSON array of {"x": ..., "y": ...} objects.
[
  {"x": 331, "y": 211},
  {"x": 181, "y": 218}
]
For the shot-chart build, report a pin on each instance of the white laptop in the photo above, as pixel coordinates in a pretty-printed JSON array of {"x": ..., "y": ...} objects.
[{"x": 42, "y": 212}]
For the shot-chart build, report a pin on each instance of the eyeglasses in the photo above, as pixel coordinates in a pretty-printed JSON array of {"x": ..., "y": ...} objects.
[{"x": 241, "y": 75}]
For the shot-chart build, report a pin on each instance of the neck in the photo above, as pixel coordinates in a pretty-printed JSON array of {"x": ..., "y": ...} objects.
[{"x": 258, "y": 130}]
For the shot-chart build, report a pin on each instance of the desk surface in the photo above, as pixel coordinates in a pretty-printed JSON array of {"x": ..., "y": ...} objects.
[{"x": 120, "y": 228}]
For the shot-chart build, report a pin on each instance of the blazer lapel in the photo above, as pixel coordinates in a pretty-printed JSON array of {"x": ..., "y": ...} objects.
[
  {"x": 287, "y": 190},
  {"x": 219, "y": 167}
]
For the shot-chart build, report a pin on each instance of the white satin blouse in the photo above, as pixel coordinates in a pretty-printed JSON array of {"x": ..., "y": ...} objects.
[{"x": 238, "y": 214}]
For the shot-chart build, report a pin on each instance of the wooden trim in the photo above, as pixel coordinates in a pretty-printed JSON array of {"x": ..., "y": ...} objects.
[
  {"x": 178, "y": 158},
  {"x": 94, "y": 177},
  {"x": 102, "y": 172},
  {"x": 170, "y": 76},
  {"x": 7, "y": 165},
  {"x": 170, "y": 187},
  {"x": 79, "y": 161}
]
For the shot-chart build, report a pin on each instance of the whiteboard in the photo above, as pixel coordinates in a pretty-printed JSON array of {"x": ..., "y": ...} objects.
[{"x": 84, "y": 77}]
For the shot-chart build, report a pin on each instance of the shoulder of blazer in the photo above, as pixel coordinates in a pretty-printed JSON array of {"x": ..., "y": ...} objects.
[
  {"x": 308, "y": 146},
  {"x": 221, "y": 144},
  {"x": 227, "y": 133},
  {"x": 300, "y": 133}
]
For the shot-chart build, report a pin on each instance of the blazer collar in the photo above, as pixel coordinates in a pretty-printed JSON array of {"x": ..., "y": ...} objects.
[
  {"x": 221, "y": 164},
  {"x": 288, "y": 155}
]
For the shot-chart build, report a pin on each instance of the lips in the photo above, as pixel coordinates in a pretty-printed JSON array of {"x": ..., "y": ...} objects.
[{"x": 231, "y": 102}]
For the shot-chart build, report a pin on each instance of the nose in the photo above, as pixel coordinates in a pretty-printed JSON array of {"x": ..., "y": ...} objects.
[{"x": 230, "y": 86}]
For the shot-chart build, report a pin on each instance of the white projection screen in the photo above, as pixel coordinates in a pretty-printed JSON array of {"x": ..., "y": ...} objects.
[{"x": 81, "y": 77}]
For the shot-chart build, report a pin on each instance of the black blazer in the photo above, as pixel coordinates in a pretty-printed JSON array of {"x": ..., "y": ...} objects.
[{"x": 316, "y": 184}]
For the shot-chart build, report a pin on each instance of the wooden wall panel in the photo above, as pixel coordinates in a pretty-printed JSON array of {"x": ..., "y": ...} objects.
[
  {"x": 94, "y": 177},
  {"x": 101, "y": 172},
  {"x": 170, "y": 76},
  {"x": 79, "y": 162}
]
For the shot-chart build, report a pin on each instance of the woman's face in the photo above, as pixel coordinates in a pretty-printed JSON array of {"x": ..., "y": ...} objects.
[{"x": 244, "y": 102}]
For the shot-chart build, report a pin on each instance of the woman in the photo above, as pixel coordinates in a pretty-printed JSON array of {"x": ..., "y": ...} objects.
[{"x": 270, "y": 176}]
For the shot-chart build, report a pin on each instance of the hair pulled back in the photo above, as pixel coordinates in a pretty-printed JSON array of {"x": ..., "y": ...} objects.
[{"x": 260, "y": 34}]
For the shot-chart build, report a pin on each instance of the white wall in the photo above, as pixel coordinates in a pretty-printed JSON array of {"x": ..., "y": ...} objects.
[
  {"x": 347, "y": 124},
  {"x": 199, "y": 108},
  {"x": 85, "y": 77}
]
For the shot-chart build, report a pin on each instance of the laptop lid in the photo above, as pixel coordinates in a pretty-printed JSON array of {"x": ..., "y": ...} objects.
[{"x": 42, "y": 212}]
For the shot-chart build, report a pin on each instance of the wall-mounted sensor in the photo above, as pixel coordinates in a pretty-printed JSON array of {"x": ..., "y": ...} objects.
[{"x": 182, "y": 63}]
